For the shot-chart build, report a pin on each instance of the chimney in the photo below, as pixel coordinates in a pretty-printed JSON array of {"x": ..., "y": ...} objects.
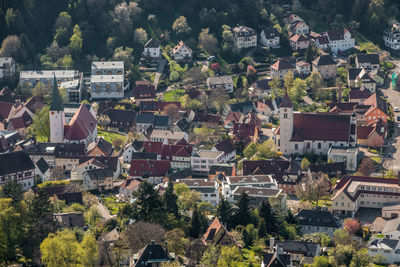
[
  {"x": 340, "y": 93},
  {"x": 271, "y": 243}
]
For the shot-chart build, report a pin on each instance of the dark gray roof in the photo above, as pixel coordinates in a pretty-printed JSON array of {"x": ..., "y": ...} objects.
[
  {"x": 368, "y": 58},
  {"x": 226, "y": 146},
  {"x": 15, "y": 162},
  {"x": 270, "y": 32},
  {"x": 183, "y": 124},
  {"x": 70, "y": 219},
  {"x": 324, "y": 60},
  {"x": 161, "y": 121},
  {"x": 145, "y": 118},
  {"x": 152, "y": 43},
  {"x": 152, "y": 252},
  {"x": 388, "y": 242},
  {"x": 137, "y": 145},
  {"x": 353, "y": 73},
  {"x": 242, "y": 106},
  {"x": 308, "y": 249},
  {"x": 42, "y": 165},
  {"x": 99, "y": 174},
  {"x": 321, "y": 218}
]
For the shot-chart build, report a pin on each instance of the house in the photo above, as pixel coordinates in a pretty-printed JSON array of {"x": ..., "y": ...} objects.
[
  {"x": 266, "y": 107},
  {"x": 17, "y": 166},
  {"x": 228, "y": 169},
  {"x": 280, "y": 68},
  {"x": 30, "y": 78},
  {"x": 118, "y": 119},
  {"x": 287, "y": 181},
  {"x": 391, "y": 36},
  {"x": 298, "y": 42},
  {"x": 322, "y": 42},
  {"x": 209, "y": 190},
  {"x": 135, "y": 146},
  {"x": 143, "y": 91},
  {"x": 91, "y": 164},
  {"x": 303, "y": 68},
  {"x": 152, "y": 49},
  {"x": 73, "y": 89},
  {"x": 202, "y": 161},
  {"x": 7, "y": 68},
  {"x": 227, "y": 147},
  {"x": 317, "y": 132},
  {"x": 299, "y": 27},
  {"x": 244, "y": 133},
  {"x": 107, "y": 86},
  {"x": 265, "y": 166},
  {"x": 387, "y": 247},
  {"x": 100, "y": 147},
  {"x": 391, "y": 211},
  {"x": 43, "y": 170},
  {"x": 152, "y": 171},
  {"x": 107, "y": 68},
  {"x": 217, "y": 234},
  {"x": 367, "y": 61},
  {"x": 269, "y": 37},
  {"x": 181, "y": 52},
  {"x": 157, "y": 106},
  {"x": 300, "y": 252},
  {"x": 146, "y": 120},
  {"x": 129, "y": 186},
  {"x": 316, "y": 221},
  {"x": 359, "y": 95},
  {"x": 242, "y": 107},
  {"x": 244, "y": 37},
  {"x": 340, "y": 40},
  {"x": 221, "y": 81},
  {"x": 361, "y": 78},
  {"x": 273, "y": 259},
  {"x": 198, "y": 119},
  {"x": 230, "y": 183},
  {"x": 167, "y": 136},
  {"x": 373, "y": 135},
  {"x": 69, "y": 219},
  {"x": 98, "y": 179},
  {"x": 326, "y": 66},
  {"x": 257, "y": 195},
  {"x": 348, "y": 155},
  {"x": 178, "y": 155},
  {"x": 354, "y": 192},
  {"x": 377, "y": 111},
  {"x": 152, "y": 255},
  {"x": 391, "y": 229}
]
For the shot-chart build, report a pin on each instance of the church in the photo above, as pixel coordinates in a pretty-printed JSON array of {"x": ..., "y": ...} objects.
[
  {"x": 300, "y": 133},
  {"x": 82, "y": 128}
]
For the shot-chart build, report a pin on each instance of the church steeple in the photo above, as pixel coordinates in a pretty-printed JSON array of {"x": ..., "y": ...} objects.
[
  {"x": 286, "y": 102},
  {"x": 56, "y": 100}
]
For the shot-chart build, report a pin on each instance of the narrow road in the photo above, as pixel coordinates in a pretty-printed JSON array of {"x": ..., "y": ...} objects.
[
  {"x": 160, "y": 71},
  {"x": 104, "y": 211}
]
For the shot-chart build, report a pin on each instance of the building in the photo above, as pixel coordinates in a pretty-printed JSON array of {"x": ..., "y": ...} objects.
[
  {"x": 209, "y": 190},
  {"x": 98, "y": 179},
  {"x": 146, "y": 120},
  {"x": 340, "y": 40},
  {"x": 326, "y": 66},
  {"x": 129, "y": 186},
  {"x": 72, "y": 108},
  {"x": 100, "y": 147},
  {"x": 360, "y": 77},
  {"x": 181, "y": 52},
  {"x": 17, "y": 166},
  {"x": 367, "y": 61},
  {"x": 167, "y": 136},
  {"x": 107, "y": 86},
  {"x": 312, "y": 132},
  {"x": 300, "y": 252},
  {"x": 387, "y": 247},
  {"x": 244, "y": 37},
  {"x": 269, "y": 37},
  {"x": 228, "y": 148},
  {"x": 221, "y": 81},
  {"x": 30, "y": 78},
  {"x": 322, "y": 42},
  {"x": 392, "y": 229},
  {"x": 143, "y": 91},
  {"x": 73, "y": 89},
  {"x": 69, "y": 219},
  {"x": 118, "y": 119},
  {"x": 152, "y": 255},
  {"x": 317, "y": 221},
  {"x": 391, "y": 36},
  {"x": 280, "y": 68},
  {"x": 152, "y": 171},
  {"x": 217, "y": 234},
  {"x": 107, "y": 68},
  {"x": 202, "y": 161},
  {"x": 298, "y": 42},
  {"x": 354, "y": 192},
  {"x": 299, "y": 27},
  {"x": 257, "y": 195},
  {"x": 348, "y": 155},
  {"x": 43, "y": 170},
  {"x": 391, "y": 211},
  {"x": 7, "y": 68},
  {"x": 152, "y": 49},
  {"x": 303, "y": 68}
]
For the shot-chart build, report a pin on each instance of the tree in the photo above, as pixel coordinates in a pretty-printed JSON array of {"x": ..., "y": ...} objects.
[
  {"x": 64, "y": 20},
  {"x": 76, "y": 42},
  {"x": 61, "y": 36},
  {"x": 93, "y": 216},
  {"x": 305, "y": 164},
  {"x": 142, "y": 233},
  {"x": 12, "y": 47},
  {"x": 176, "y": 241},
  {"x": 320, "y": 261},
  {"x": 67, "y": 62},
  {"x": 352, "y": 225},
  {"x": 40, "y": 127},
  {"x": 210, "y": 257},
  {"x": 195, "y": 224},
  {"x": 267, "y": 150},
  {"x": 117, "y": 143},
  {"x": 207, "y": 42},
  {"x": 187, "y": 198},
  {"x": 40, "y": 90},
  {"x": 180, "y": 25},
  {"x": 170, "y": 199},
  {"x": 229, "y": 257},
  {"x": 366, "y": 167},
  {"x": 250, "y": 151},
  {"x": 262, "y": 229},
  {"x": 309, "y": 54},
  {"x": 314, "y": 187},
  {"x": 140, "y": 36},
  {"x": 172, "y": 111},
  {"x": 14, "y": 20},
  {"x": 342, "y": 237},
  {"x": 224, "y": 211},
  {"x": 147, "y": 203},
  {"x": 88, "y": 250},
  {"x": 12, "y": 189},
  {"x": 267, "y": 214},
  {"x": 242, "y": 216},
  {"x": 125, "y": 54}
]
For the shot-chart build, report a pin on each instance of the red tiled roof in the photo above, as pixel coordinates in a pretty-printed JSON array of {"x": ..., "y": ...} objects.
[
  {"x": 364, "y": 131},
  {"x": 176, "y": 150},
  {"x": 5, "y": 109},
  {"x": 298, "y": 38},
  {"x": 130, "y": 183},
  {"x": 325, "y": 127},
  {"x": 359, "y": 94},
  {"x": 21, "y": 122},
  {"x": 244, "y": 130},
  {"x": 282, "y": 64},
  {"x": 199, "y": 117},
  {"x": 153, "y": 168},
  {"x": 143, "y": 91},
  {"x": 81, "y": 125},
  {"x": 34, "y": 104},
  {"x": 233, "y": 116},
  {"x": 153, "y": 146}
]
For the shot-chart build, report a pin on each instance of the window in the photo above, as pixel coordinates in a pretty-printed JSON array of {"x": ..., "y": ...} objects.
[
  {"x": 319, "y": 145},
  {"x": 296, "y": 146},
  {"x": 285, "y": 115}
]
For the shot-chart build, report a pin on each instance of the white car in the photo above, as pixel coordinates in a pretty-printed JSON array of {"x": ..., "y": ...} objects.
[{"x": 396, "y": 109}]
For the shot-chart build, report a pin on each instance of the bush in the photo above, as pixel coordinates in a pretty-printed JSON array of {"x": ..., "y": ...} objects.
[{"x": 53, "y": 184}]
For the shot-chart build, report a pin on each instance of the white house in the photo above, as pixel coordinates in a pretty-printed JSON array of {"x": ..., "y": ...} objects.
[
  {"x": 340, "y": 40},
  {"x": 7, "y": 67},
  {"x": 202, "y": 161},
  {"x": 349, "y": 155},
  {"x": 208, "y": 189},
  {"x": 303, "y": 68},
  {"x": 388, "y": 248},
  {"x": 391, "y": 37},
  {"x": 221, "y": 81},
  {"x": 129, "y": 186},
  {"x": 152, "y": 49},
  {"x": 392, "y": 229},
  {"x": 181, "y": 52},
  {"x": 30, "y": 78},
  {"x": 167, "y": 136},
  {"x": 106, "y": 86},
  {"x": 43, "y": 170},
  {"x": 244, "y": 37},
  {"x": 108, "y": 68},
  {"x": 269, "y": 37},
  {"x": 317, "y": 221}
]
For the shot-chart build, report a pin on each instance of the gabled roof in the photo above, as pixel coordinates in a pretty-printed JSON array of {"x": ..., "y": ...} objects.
[
  {"x": 298, "y": 38},
  {"x": 335, "y": 35},
  {"x": 81, "y": 125},
  {"x": 151, "y": 168},
  {"x": 34, "y": 104},
  {"x": 103, "y": 145},
  {"x": 282, "y": 64},
  {"x": 144, "y": 155},
  {"x": 359, "y": 94},
  {"x": 226, "y": 146},
  {"x": 42, "y": 165},
  {"x": 153, "y": 146},
  {"x": 99, "y": 174},
  {"x": 70, "y": 219},
  {"x": 179, "y": 46},
  {"x": 14, "y": 162},
  {"x": 383, "y": 244},
  {"x": 270, "y": 32},
  {"x": 5, "y": 109},
  {"x": 267, "y": 166},
  {"x": 377, "y": 101},
  {"x": 183, "y": 125},
  {"x": 323, "y": 39},
  {"x": 217, "y": 234},
  {"x": 209, "y": 118},
  {"x": 242, "y": 106},
  {"x": 243, "y": 31},
  {"x": 131, "y": 183},
  {"x": 321, "y": 218},
  {"x": 140, "y": 91},
  {"x": 152, "y": 43},
  {"x": 324, "y": 60},
  {"x": 368, "y": 58},
  {"x": 391, "y": 225},
  {"x": 121, "y": 117},
  {"x": 307, "y": 249},
  {"x": 111, "y": 162},
  {"x": 151, "y": 253}
]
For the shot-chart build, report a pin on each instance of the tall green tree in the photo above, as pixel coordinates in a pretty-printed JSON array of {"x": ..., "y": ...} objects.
[
  {"x": 76, "y": 42},
  {"x": 148, "y": 202},
  {"x": 262, "y": 228},
  {"x": 309, "y": 54},
  {"x": 12, "y": 189},
  {"x": 225, "y": 212},
  {"x": 170, "y": 199},
  {"x": 40, "y": 127},
  {"x": 265, "y": 211},
  {"x": 242, "y": 215},
  {"x": 195, "y": 224}
]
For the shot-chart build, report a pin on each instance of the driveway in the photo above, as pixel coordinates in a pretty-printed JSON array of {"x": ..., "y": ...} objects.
[
  {"x": 160, "y": 71},
  {"x": 104, "y": 211}
]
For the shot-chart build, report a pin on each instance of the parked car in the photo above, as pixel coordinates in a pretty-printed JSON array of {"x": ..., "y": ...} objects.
[
  {"x": 398, "y": 118},
  {"x": 396, "y": 109}
]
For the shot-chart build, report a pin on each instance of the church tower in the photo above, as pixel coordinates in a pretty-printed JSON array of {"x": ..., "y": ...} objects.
[
  {"x": 286, "y": 124},
  {"x": 57, "y": 118}
]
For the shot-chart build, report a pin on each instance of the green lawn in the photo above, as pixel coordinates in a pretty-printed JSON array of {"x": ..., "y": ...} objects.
[
  {"x": 174, "y": 95},
  {"x": 376, "y": 159},
  {"x": 111, "y": 204},
  {"x": 110, "y": 136},
  {"x": 314, "y": 19},
  {"x": 365, "y": 43}
]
